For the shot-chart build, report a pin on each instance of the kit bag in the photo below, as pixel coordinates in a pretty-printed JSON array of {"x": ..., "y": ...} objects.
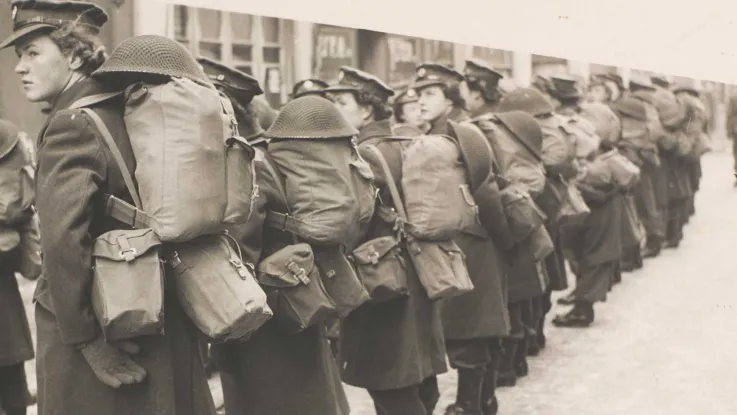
[
  {"x": 16, "y": 185},
  {"x": 381, "y": 267},
  {"x": 215, "y": 289},
  {"x": 194, "y": 174},
  {"x": 440, "y": 265},
  {"x": 128, "y": 284},
  {"x": 294, "y": 287},
  {"x": 672, "y": 114},
  {"x": 523, "y": 215},
  {"x": 437, "y": 196},
  {"x": 605, "y": 121},
  {"x": 624, "y": 172},
  {"x": 328, "y": 188},
  {"x": 337, "y": 275}
]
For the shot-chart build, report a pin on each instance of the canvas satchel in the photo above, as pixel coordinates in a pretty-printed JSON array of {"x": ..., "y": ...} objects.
[
  {"x": 440, "y": 265},
  {"x": 337, "y": 274}
]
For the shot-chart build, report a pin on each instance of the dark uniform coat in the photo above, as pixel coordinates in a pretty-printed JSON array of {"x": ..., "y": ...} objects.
[
  {"x": 527, "y": 278},
  {"x": 483, "y": 312},
  {"x": 16, "y": 345},
  {"x": 397, "y": 343},
  {"x": 75, "y": 169},
  {"x": 275, "y": 372}
]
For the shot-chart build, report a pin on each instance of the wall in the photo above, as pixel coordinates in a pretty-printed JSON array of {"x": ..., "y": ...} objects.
[{"x": 13, "y": 104}]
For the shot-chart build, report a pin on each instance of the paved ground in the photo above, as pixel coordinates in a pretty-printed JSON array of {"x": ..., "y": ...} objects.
[{"x": 664, "y": 343}]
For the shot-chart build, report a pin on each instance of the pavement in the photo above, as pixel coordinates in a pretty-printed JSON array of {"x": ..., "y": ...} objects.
[{"x": 663, "y": 343}]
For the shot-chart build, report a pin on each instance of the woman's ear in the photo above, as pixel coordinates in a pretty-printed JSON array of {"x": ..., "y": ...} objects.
[
  {"x": 75, "y": 62},
  {"x": 367, "y": 112}
]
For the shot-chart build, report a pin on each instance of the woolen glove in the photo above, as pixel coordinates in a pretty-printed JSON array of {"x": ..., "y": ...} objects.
[{"x": 112, "y": 364}]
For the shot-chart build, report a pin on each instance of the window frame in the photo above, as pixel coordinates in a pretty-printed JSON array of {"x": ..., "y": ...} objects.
[{"x": 257, "y": 42}]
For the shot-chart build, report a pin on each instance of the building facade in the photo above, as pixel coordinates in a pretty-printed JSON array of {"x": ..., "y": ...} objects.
[{"x": 279, "y": 52}]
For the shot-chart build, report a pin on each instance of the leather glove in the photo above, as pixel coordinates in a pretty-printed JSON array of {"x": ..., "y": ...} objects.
[{"x": 112, "y": 364}]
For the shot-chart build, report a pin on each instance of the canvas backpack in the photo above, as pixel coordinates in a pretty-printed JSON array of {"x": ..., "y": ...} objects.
[
  {"x": 581, "y": 133},
  {"x": 329, "y": 190},
  {"x": 605, "y": 121},
  {"x": 17, "y": 192},
  {"x": 437, "y": 195},
  {"x": 194, "y": 174},
  {"x": 672, "y": 114}
]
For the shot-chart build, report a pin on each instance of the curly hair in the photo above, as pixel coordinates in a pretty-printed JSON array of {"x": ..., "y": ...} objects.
[
  {"x": 491, "y": 95},
  {"x": 380, "y": 107},
  {"x": 79, "y": 41},
  {"x": 452, "y": 91},
  {"x": 398, "y": 110}
]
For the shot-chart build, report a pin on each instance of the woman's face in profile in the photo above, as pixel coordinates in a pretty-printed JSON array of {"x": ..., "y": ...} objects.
[{"x": 43, "y": 68}]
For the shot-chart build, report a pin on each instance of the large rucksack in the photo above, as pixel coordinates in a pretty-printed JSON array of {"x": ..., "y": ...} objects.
[
  {"x": 192, "y": 169},
  {"x": 196, "y": 178},
  {"x": 328, "y": 188},
  {"x": 581, "y": 133},
  {"x": 605, "y": 121},
  {"x": 437, "y": 195},
  {"x": 672, "y": 114},
  {"x": 16, "y": 184}
]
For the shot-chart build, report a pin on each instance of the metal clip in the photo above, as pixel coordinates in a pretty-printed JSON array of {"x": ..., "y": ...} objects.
[
  {"x": 373, "y": 255},
  {"x": 175, "y": 261},
  {"x": 238, "y": 265},
  {"x": 298, "y": 272}
]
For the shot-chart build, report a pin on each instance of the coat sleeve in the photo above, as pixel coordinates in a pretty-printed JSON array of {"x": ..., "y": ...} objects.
[{"x": 71, "y": 174}]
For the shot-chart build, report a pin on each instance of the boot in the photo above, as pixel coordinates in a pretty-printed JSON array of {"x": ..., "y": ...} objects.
[
  {"x": 506, "y": 376},
  {"x": 582, "y": 315},
  {"x": 520, "y": 359},
  {"x": 489, "y": 403},
  {"x": 468, "y": 396},
  {"x": 533, "y": 343},
  {"x": 567, "y": 300},
  {"x": 652, "y": 248},
  {"x": 541, "y": 340}
]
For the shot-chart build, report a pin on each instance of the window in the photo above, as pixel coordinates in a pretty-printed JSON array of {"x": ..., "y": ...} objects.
[
  {"x": 497, "y": 58},
  {"x": 251, "y": 44},
  {"x": 438, "y": 51},
  {"x": 404, "y": 56}
]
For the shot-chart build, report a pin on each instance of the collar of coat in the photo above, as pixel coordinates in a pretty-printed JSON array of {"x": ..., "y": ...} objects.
[
  {"x": 83, "y": 88},
  {"x": 374, "y": 129}
]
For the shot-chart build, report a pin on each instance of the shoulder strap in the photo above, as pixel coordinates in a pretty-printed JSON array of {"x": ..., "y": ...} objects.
[
  {"x": 115, "y": 207},
  {"x": 398, "y": 205},
  {"x": 93, "y": 99},
  {"x": 127, "y": 177}
]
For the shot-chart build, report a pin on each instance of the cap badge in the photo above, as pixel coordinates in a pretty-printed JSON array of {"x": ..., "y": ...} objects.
[
  {"x": 309, "y": 84},
  {"x": 421, "y": 72},
  {"x": 411, "y": 93},
  {"x": 341, "y": 75}
]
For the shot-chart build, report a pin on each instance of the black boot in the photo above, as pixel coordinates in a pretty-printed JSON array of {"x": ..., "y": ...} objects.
[
  {"x": 489, "y": 403},
  {"x": 506, "y": 376},
  {"x": 533, "y": 342},
  {"x": 582, "y": 315},
  {"x": 468, "y": 396},
  {"x": 520, "y": 358},
  {"x": 653, "y": 247},
  {"x": 541, "y": 340},
  {"x": 567, "y": 300}
]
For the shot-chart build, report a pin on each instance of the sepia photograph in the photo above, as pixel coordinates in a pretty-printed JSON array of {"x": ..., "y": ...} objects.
[{"x": 209, "y": 210}]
